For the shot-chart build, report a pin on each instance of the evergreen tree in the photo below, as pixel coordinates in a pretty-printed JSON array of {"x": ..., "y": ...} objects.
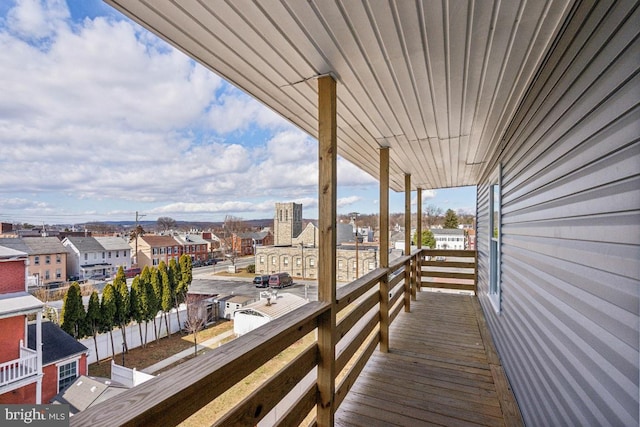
[
  {"x": 93, "y": 319},
  {"x": 123, "y": 307},
  {"x": 175, "y": 275},
  {"x": 450, "y": 219},
  {"x": 154, "y": 297},
  {"x": 175, "y": 278},
  {"x": 108, "y": 310},
  {"x": 136, "y": 304},
  {"x": 186, "y": 277},
  {"x": 73, "y": 313},
  {"x": 186, "y": 269},
  {"x": 167, "y": 298},
  {"x": 145, "y": 285}
]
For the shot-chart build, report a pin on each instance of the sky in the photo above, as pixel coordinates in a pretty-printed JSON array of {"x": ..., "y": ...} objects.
[{"x": 100, "y": 119}]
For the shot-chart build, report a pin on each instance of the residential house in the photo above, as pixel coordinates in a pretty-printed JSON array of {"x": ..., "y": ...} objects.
[
  {"x": 213, "y": 244},
  {"x": 118, "y": 252},
  {"x": 470, "y": 235},
  {"x": 47, "y": 260},
  {"x": 245, "y": 243},
  {"x": 21, "y": 372},
  {"x": 534, "y": 103},
  {"x": 87, "y": 258},
  {"x": 449, "y": 238},
  {"x": 152, "y": 249},
  {"x": 193, "y": 245},
  {"x": 242, "y": 244},
  {"x": 63, "y": 358}
]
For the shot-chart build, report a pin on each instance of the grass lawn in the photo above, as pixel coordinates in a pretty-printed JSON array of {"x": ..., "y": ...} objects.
[{"x": 141, "y": 358}]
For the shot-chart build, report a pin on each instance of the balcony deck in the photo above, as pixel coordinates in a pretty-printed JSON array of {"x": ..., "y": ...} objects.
[{"x": 441, "y": 369}]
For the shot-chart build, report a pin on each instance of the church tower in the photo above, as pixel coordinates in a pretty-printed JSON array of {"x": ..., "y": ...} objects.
[{"x": 287, "y": 223}]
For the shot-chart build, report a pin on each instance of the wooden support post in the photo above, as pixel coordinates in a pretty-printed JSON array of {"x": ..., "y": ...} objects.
[
  {"x": 408, "y": 286},
  {"x": 327, "y": 201},
  {"x": 418, "y": 262},
  {"x": 384, "y": 248}
]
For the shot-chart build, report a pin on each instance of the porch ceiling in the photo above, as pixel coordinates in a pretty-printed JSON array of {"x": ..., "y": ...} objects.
[{"x": 436, "y": 81}]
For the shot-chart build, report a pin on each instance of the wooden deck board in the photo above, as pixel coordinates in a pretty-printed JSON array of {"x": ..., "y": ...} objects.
[{"x": 440, "y": 370}]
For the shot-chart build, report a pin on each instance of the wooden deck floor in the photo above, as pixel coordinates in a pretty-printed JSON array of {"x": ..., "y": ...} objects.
[{"x": 439, "y": 371}]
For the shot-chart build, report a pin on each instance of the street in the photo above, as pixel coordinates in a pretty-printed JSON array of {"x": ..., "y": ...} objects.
[{"x": 205, "y": 281}]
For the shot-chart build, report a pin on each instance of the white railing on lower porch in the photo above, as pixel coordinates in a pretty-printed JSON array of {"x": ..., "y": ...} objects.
[{"x": 18, "y": 369}]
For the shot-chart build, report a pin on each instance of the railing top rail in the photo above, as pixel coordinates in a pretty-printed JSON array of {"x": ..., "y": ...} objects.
[
  {"x": 416, "y": 252},
  {"x": 28, "y": 350},
  {"x": 398, "y": 262},
  {"x": 449, "y": 252},
  {"x": 170, "y": 398},
  {"x": 348, "y": 293}
]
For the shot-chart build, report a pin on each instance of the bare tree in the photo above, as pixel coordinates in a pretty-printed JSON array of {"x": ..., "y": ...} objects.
[
  {"x": 431, "y": 215},
  {"x": 138, "y": 231},
  {"x": 231, "y": 228},
  {"x": 196, "y": 317},
  {"x": 166, "y": 223}
]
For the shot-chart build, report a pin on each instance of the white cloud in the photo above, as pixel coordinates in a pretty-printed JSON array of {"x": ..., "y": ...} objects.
[
  {"x": 347, "y": 201},
  {"x": 20, "y": 203},
  {"x": 349, "y": 174},
  {"x": 426, "y": 196},
  {"x": 103, "y": 118},
  {"x": 35, "y": 19},
  {"x": 235, "y": 111}
]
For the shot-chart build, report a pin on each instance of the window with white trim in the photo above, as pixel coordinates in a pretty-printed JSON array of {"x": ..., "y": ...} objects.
[
  {"x": 495, "y": 235},
  {"x": 67, "y": 374}
]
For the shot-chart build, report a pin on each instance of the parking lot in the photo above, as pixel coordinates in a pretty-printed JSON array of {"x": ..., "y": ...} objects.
[{"x": 224, "y": 285}]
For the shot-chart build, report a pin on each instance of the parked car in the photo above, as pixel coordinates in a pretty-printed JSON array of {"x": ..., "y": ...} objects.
[
  {"x": 280, "y": 280},
  {"x": 261, "y": 281},
  {"x": 54, "y": 285}
]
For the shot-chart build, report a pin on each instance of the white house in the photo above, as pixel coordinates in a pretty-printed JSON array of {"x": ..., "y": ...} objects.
[
  {"x": 87, "y": 258},
  {"x": 448, "y": 238},
  {"x": 118, "y": 252}
]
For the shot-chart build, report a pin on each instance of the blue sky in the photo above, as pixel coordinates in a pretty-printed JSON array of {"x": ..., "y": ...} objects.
[{"x": 100, "y": 119}]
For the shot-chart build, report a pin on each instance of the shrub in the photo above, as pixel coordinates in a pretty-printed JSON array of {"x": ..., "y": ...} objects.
[{"x": 251, "y": 268}]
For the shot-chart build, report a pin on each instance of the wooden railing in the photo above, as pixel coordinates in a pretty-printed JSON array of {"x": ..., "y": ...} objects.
[
  {"x": 18, "y": 369},
  {"x": 360, "y": 326},
  {"x": 450, "y": 269}
]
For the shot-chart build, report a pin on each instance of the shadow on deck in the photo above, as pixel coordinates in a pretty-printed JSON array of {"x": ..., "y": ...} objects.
[{"x": 441, "y": 369}]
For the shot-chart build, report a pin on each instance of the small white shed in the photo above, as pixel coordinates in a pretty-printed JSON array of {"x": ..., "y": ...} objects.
[{"x": 258, "y": 313}]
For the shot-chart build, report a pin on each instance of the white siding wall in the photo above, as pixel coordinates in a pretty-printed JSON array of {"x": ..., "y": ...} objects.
[{"x": 568, "y": 333}]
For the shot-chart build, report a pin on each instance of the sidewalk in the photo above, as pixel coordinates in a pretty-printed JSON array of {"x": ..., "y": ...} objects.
[{"x": 210, "y": 343}]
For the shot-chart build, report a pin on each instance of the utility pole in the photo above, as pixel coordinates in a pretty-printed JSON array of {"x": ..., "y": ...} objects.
[
  {"x": 138, "y": 216},
  {"x": 354, "y": 217}
]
